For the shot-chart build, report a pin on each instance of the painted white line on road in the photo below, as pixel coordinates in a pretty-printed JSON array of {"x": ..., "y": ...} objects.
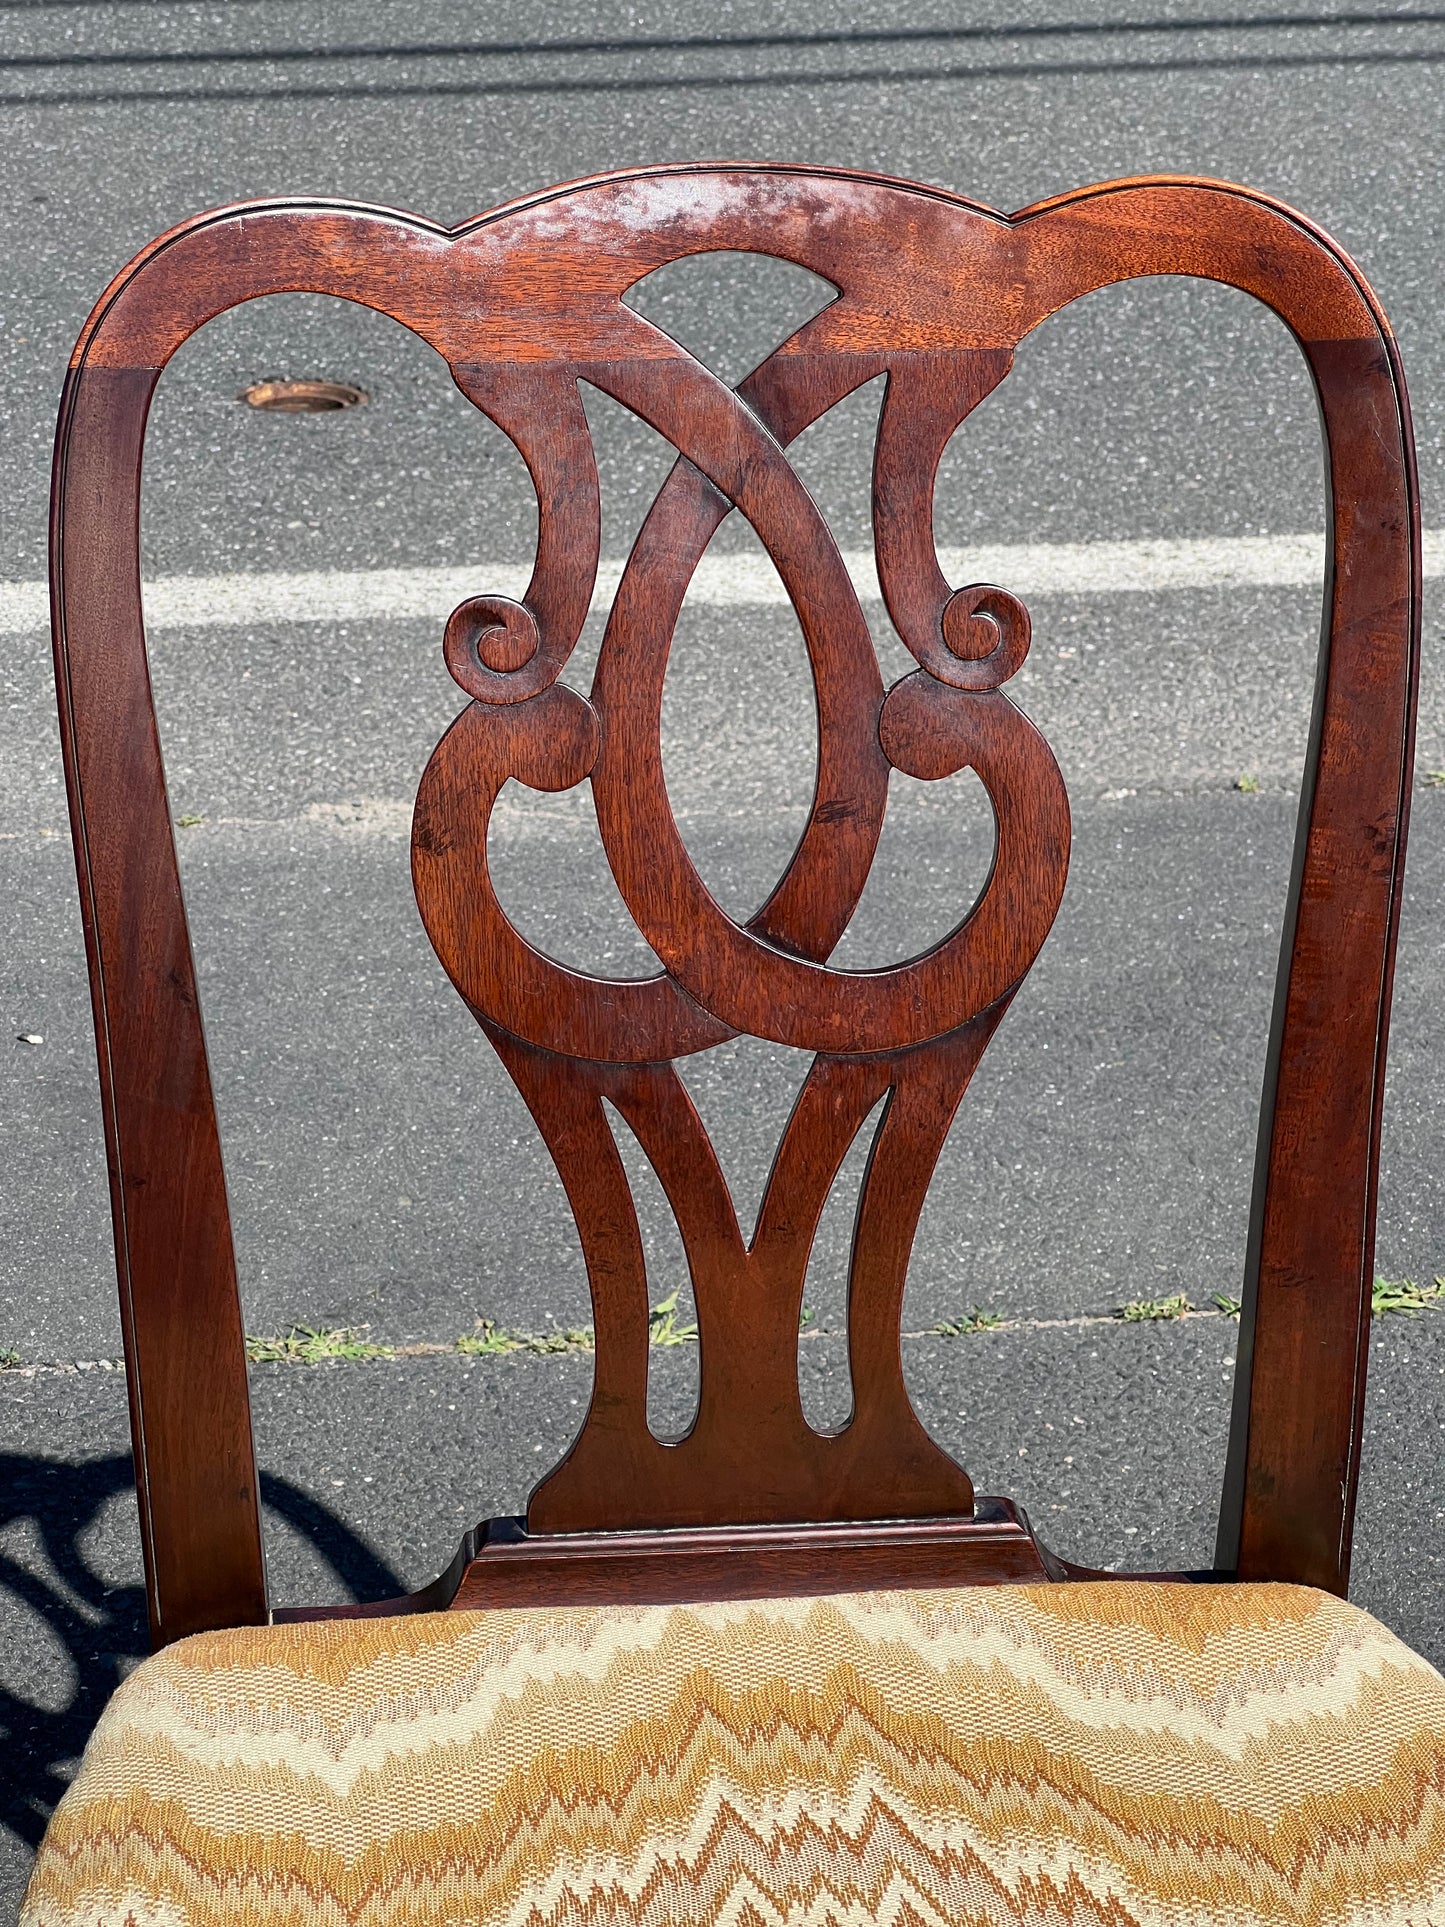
[{"x": 721, "y": 581}]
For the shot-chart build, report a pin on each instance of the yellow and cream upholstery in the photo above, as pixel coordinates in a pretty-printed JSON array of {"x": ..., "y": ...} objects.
[{"x": 1099, "y": 1753}]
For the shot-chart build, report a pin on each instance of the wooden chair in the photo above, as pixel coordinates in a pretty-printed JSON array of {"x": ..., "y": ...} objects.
[{"x": 760, "y": 1672}]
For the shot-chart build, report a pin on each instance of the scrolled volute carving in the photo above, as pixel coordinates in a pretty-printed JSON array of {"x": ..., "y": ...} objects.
[
  {"x": 987, "y": 632},
  {"x": 488, "y": 639}
]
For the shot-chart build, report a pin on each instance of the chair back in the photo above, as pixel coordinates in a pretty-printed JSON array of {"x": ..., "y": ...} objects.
[{"x": 934, "y": 293}]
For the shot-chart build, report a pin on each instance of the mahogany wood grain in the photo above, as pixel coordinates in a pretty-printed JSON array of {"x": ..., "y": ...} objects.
[{"x": 934, "y": 293}]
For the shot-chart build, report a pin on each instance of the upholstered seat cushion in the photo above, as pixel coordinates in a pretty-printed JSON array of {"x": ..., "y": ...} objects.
[{"x": 1091, "y": 1753}]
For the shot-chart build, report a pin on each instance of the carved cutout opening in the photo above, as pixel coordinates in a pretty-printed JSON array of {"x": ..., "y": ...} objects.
[
  {"x": 834, "y": 458},
  {"x": 674, "y": 1375},
  {"x": 933, "y": 862},
  {"x": 730, "y": 309},
  {"x": 227, "y": 488},
  {"x": 740, "y": 741},
  {"x": 1164, "y": 407},
  {"x": 292, "y": 754},
  {"x": 633, "y": 461},
  {"x": 554, "y": 882},
  {"x": 745, "y": 1091},
  {"x": 1167, "y": 408},
  {"x": 825, "y": 1374}
]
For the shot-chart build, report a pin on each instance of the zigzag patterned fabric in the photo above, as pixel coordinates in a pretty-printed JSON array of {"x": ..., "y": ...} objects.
[{"x": 1098, "y": 1753}]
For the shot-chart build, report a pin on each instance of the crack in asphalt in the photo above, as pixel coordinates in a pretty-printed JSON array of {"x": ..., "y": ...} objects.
[{"x": 529, "y": 1347}]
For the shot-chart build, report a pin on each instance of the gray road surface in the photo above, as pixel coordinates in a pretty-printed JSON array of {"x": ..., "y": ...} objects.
[{"x": 382, "y": 1171}]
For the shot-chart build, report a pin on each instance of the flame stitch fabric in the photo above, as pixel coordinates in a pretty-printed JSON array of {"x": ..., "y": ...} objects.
[{"x": 1097, "y": 1753}]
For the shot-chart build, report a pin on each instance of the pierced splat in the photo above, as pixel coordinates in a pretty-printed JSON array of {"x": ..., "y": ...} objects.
[
  {"x": 912, "y": 1034},
  {"x": 934, "y": 294}
]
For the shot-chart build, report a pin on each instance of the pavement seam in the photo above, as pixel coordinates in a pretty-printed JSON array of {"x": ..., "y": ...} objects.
[{"x": 390, "y": 1354}]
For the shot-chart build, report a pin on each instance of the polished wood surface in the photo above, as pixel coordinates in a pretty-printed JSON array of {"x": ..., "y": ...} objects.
[{"x": 935, "y": 293}]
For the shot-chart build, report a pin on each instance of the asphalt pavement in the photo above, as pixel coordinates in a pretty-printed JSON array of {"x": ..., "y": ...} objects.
[{"x": 383, "y": 1173}]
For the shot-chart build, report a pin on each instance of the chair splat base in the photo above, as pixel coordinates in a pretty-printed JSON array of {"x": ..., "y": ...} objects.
[
  {"x": 502, "y": 1564},
  {"x": 513, "y": 1567}
]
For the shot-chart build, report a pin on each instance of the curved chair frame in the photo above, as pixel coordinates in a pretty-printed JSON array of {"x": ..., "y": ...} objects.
[{"x": 935, "y": 292}]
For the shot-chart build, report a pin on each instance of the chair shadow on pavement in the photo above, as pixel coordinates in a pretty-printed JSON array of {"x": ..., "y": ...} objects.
[{"x": 101, "y": 1628}]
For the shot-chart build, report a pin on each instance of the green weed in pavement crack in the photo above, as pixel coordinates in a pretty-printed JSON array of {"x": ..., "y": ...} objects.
[
  {"x": 487, "y": 1342},
  {"x": 578, "y": 1339},
  {"x": 1391, "y": 1297},
  {"x": 1139, "y": 1311},
  {"x": 977, "y": 1320},
  {"x": 310, "y": 1344},
  {"x": 663, "y": 1328}
]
